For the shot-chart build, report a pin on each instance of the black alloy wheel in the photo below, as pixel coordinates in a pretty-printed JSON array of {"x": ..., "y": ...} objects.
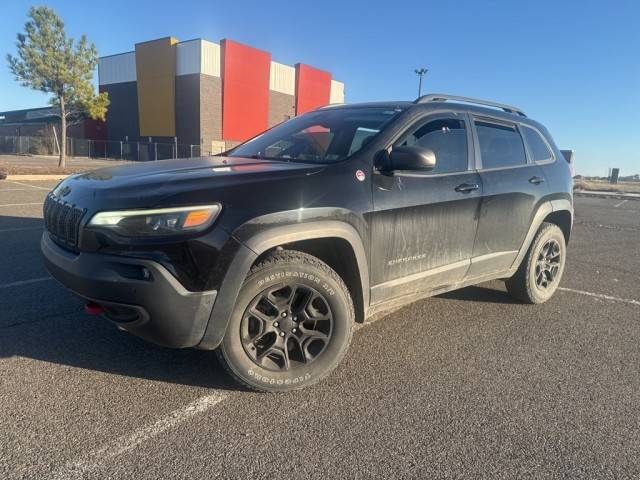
[
  {"x": 548, "y": 264},
  {"x": 286, "y": 326}
]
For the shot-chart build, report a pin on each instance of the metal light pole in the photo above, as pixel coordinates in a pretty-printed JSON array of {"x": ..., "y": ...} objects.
[{"x": 421, "y": 72}]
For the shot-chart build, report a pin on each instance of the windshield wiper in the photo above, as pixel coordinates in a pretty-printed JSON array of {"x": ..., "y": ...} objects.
[{"x": 257, "y": 156}]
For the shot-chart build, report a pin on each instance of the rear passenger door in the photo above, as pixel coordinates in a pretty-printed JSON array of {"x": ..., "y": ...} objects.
[{"x": 513, "y": 187}]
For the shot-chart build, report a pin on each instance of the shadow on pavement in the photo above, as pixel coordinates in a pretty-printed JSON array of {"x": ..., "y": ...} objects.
[
  {"x": 480, "y": 294},
  {"x": 79, "y": 340}
]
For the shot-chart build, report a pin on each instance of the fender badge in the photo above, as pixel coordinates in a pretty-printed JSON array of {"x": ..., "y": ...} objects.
[{"x": 360, "y": 175}]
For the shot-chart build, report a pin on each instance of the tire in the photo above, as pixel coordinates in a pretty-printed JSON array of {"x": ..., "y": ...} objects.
[
  {"x": 304, "y": 346},
  {"x": 541, "y": 270}
]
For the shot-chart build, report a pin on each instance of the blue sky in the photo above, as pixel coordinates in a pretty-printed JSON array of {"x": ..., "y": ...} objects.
[{"x": 573, "y": 65}]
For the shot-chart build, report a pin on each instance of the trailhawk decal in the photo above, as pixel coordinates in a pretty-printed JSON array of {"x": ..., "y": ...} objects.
[{"x": 406, "y": 259}]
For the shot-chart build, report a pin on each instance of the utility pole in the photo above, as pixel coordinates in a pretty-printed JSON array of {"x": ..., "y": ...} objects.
[{"x": 421, "y": 72}]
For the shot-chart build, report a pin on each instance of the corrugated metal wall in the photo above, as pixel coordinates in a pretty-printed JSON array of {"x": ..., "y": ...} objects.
[
  {"x": 198, "y": 56},
  {"x": 337, "y": 92},
  {"x": 282, "y": 78},
  {"x": 188, "y": 57},
  {"x": 210, "y": 58},
  {"x": 117, "y": 68}
]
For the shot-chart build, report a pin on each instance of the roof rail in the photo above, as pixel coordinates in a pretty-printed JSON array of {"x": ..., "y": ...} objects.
[{"x": 443, "y": 97}]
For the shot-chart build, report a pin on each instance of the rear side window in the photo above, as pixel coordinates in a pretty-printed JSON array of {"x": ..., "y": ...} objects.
[
  {"x": 500, "y": 145},
  {"x": 537, "y": 146},
  {"x": 448, "y": 140}
]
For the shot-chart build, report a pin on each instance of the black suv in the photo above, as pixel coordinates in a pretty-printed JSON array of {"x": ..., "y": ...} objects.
[{"x": 271, "y": 252}]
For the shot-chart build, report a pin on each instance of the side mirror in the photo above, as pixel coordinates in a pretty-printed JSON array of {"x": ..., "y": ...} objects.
[{"x": 412, "y": 157}]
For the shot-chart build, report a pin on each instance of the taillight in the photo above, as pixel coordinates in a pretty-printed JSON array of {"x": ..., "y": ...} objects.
[{"x": 94, "y": 309}]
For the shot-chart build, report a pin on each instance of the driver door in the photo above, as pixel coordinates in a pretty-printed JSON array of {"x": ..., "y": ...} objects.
[{"x": 424, "y": 222}]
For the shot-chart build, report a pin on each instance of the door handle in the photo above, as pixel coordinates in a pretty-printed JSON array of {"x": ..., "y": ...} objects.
[
  {"x": 467, "y": 187},
  {"x": 536, "y": 180}
]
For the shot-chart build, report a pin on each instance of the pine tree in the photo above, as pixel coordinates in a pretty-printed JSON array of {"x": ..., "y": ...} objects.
[{"x": 49, "y": 61}]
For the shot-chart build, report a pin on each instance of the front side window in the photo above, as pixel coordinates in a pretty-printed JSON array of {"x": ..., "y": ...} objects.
[
  {"x": 500, "y": 145},
  {"x": 537, "y": 146},
  {"x": 447, "y": 138},
  {"x": 323, "y": 136}
]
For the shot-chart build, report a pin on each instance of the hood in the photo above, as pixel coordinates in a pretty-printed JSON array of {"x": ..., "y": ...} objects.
[
  {"x": 154, "y": 171},
  {"x": 141, "y": 185}
]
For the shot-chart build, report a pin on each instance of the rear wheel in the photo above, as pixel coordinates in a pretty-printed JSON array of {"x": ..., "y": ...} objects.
[
  {"x": 541, "y": 270},
  {"x": 291, "y": 326}
]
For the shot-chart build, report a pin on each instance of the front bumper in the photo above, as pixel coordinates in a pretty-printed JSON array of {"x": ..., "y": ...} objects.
[{"x": 151, "y": 304}]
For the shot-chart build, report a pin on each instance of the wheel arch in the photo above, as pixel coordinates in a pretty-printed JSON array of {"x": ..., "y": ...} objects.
[
  {"x": 327, "y": 240},
  {"x": 559, "y": 212},
  {"x": 306, "y": 236},
  {"x": 562, "y": 216}
]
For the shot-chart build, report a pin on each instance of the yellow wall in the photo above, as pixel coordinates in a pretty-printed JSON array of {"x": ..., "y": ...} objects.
[{"x": 156, "y": 76}]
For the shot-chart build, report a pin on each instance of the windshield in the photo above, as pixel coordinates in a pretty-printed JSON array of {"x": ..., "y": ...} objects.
[{"x": 323, "y": 136}]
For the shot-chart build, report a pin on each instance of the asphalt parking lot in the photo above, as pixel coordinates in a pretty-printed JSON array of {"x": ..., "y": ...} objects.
[{"x": 469, "y": 384}]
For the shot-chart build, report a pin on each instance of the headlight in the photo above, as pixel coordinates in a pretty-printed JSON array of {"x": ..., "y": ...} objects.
[{"x": 160, "y": 221}]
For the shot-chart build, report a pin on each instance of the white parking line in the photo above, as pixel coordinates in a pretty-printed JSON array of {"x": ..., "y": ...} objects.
[
  {"x": 14, "y": 190},
  {"x": 19, "y": 204},
  {"x": 621, "y": 203},
  {"x": 601, "y": 296},
  {"x": 28, "y": 185},
  {"x": 94, "y": 459},
  {"x": 25, "y": 282}
]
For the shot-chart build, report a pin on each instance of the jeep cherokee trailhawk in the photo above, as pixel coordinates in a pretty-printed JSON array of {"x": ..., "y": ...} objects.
[{"x": 270, "y": 252}]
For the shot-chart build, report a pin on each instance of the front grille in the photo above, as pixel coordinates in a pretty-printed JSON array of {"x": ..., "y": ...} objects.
[{"x": 62, "y": 221}]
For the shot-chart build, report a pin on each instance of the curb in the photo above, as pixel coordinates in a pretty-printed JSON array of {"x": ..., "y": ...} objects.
[
  {"x": 36, "y": 177},
  {"x": 618, "y": 196}
]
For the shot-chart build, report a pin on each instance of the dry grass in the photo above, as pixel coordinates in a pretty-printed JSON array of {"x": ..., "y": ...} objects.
[{"x": 602, "y": 186}]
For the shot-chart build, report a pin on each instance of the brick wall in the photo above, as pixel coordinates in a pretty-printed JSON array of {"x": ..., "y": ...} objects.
[
  {"x": 210, "y": 109},
  {"x": 281, "y": 107}
]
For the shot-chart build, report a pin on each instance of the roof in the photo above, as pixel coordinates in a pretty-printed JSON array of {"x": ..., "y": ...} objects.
[
  {"x": 388, "y": 104},
  {"x": 27, "y": 115}
]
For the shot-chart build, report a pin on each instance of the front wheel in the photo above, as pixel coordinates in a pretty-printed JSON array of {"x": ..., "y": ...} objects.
[
  {"x": 541, "y": 270},
  {"x": 291, "y": 326}
]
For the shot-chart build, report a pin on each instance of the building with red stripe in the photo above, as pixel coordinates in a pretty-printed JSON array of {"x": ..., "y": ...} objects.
[{"x": 204, "y": 93}]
